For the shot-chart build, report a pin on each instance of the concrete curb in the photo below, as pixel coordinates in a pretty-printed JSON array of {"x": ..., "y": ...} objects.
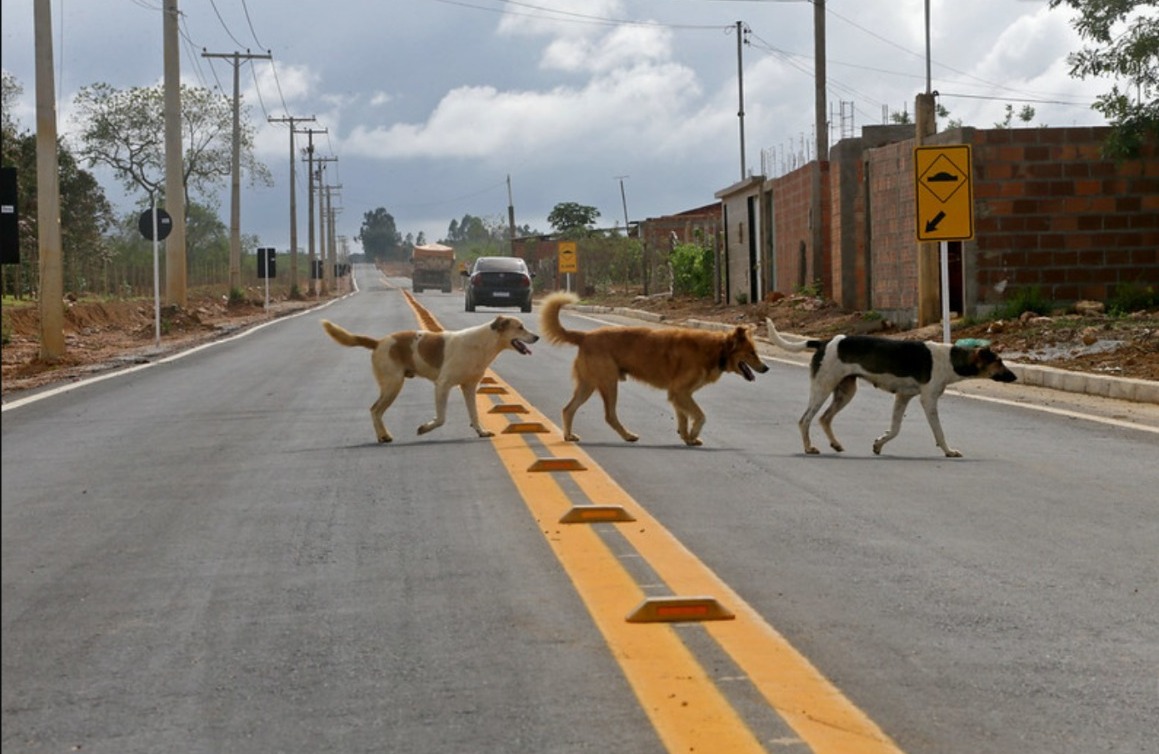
[{"x": 1119, "y": 388}]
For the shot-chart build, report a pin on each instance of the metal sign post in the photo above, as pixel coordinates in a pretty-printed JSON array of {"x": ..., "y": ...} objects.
[
  {"x": 567, "y": 260},
  {"x": 944, "y": 191},
  {"x": 155, "y": 225}
]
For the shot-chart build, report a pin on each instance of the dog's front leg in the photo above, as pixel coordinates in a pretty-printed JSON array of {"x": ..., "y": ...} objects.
[
  {"x": 689, "y": 418},
  {"x": 900, "y": 401},
  {"x": 469, "y": 390},
  {"x": 930, "y": 404}
]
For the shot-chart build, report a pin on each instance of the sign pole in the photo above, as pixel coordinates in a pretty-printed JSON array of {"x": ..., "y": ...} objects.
[
  {"x": 156, "y": 280},
  {"x": 944, "y": 253},
  {"x": 269, "y": 253}
]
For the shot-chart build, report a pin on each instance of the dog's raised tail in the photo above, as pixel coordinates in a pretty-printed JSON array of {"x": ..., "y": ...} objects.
[
  {"x": 549, "y": 323},
  {"x": 347, "y": 338},
  {"x": 789, "y": 345}
]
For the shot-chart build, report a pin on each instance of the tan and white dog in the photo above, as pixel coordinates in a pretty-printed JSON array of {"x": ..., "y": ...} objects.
[
  {"x": 906, "y": 368},
  {"x": 677, "y": 359},
  {"x": 445, "y": 357}
]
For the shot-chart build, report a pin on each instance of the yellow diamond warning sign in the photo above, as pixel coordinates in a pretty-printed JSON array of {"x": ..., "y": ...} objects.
[{"x": 944, "y": 192}]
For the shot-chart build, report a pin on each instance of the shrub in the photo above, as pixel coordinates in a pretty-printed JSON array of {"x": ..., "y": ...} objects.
[
  {"x": 691, "y": 270},
  {"x": 1024, "y": 300},
  {"x": 1132, "y": 297}
]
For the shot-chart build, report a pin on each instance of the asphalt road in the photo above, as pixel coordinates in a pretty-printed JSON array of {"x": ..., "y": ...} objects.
[{"x": 213, "y": 555}]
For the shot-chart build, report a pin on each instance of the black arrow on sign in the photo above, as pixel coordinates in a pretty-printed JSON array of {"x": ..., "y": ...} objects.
[{"x": 932, "y": 225}]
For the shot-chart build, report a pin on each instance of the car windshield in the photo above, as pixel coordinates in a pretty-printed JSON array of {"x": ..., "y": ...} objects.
[{"x": 500, "y": 264}]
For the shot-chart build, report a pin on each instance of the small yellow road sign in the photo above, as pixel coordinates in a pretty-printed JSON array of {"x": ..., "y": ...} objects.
[
  {"x": 567, "y": 257},
  {"x": 944, "y": 192}
]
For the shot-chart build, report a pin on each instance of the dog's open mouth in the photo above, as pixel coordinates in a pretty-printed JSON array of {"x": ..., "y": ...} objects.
[
  {"x": 747, "y": 372},
  {"x": 521, "y": 347}
]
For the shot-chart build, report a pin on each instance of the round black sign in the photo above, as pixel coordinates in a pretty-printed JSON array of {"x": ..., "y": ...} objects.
[{"x": 164, "y": 224}]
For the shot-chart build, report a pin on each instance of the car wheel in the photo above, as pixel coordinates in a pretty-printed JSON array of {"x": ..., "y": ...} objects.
[
  {"x": 470, "y": 303},
  {"x": 526, "y": 307}
]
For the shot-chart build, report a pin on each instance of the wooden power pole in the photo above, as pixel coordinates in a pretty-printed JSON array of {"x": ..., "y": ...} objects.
[
  {"x": 293, "y": 202},
  {"x": 175, "y": 279}
]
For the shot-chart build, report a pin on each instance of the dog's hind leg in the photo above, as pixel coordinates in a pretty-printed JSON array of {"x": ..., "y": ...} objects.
[
  {"x": 817, "y": 395},
  {"x": 469, "y": 390},
  {"x": 441, "y": 392},
  {"x": 583, "y": 391},
  {"x": 842, "y": 394},
  {"x": 388, "y": 391},
  {"x": 900, "y": 401},
  {"x": 930, "y": 404}
]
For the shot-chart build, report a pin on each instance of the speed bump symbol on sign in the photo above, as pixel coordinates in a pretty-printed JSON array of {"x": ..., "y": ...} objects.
[
  {"x": 567, "y": 257},
  {"x": 945, "y": 193}
]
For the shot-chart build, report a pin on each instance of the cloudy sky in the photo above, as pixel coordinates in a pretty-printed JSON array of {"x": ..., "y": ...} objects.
[{"x": 430, "y": 105}]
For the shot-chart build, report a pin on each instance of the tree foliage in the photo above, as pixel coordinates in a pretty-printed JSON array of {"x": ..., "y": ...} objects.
[
  {"x": 85, "y": 212},
  {"x": 1125, "y": 47},
  {"x": 125, "y": 130},
  {"x": 380, "y": 238},
  {"x": 570, "y": 218}
]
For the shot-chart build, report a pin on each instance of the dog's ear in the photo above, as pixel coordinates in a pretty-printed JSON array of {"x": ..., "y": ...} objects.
[{"x": 500, "y": 323}]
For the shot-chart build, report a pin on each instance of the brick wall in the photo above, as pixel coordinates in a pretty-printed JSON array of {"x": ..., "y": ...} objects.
[
  {"x": 793, "y": 253},
  {"x": 1051, "y": 213},
  {"x": 892, "y": 234}
]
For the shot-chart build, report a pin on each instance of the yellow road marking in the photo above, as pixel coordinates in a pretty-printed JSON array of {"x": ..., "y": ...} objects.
[{"x": 684, "y": 704}]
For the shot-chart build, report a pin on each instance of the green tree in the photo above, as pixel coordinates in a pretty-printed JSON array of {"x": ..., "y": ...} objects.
[
  {"x": 85, "y": 213},
  {"x": 570, "y": 218},
  {"x": 380, "y": 238},
  {"x": 1125, "y": 38},
  {"x": 125, "y": 130},
  {"x": 1025, "y": 115}
]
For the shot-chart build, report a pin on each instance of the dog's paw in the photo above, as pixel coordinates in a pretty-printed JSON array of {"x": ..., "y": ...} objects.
[
  {"x": 837, "y": 446},
  {"x": 385, "y": 439},
  {"x": 951, "y": 453},
  {"x": 812, "y": 451},
  {"x": 485, "y": 433},
  {"x": 631, "y": 437},
  {"x": 695, "y": 442},
  {"x": 571, "y": 437}
]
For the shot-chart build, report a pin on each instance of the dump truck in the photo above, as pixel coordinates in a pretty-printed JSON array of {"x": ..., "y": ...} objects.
[{"x": 433, "y": 264}]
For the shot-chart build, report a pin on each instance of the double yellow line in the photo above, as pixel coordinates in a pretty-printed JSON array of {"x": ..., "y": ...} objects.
[{"x": 686, "y": 705}]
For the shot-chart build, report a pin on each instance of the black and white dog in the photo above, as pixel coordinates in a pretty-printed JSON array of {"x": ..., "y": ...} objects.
[{"x": 905, "y": 368}]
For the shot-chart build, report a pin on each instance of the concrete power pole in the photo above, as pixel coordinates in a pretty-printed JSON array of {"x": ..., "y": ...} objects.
[
  {"x": 310, "y": 203},
  {"x": 48, "y": 193},
  {"x": 324, "y": 252},
  {"x": 235, "y": 169},
  {"x": 740, "y": 92},
  {"x": 175, "y": 285},
  {"x": 293, "y": 203},
  {"x": 929, "y": 279},
  {"x": 822, "y": 127}
]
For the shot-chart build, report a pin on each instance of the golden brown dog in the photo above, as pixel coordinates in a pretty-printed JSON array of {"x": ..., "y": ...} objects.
[
  {"x": 679, "y": 360},
  {"x": 446, "y": 357}
]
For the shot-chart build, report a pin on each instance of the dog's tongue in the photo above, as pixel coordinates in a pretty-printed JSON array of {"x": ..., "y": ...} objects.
[
  {"x": 521, "y": 347},
  {"x": 747, "y": 371}
]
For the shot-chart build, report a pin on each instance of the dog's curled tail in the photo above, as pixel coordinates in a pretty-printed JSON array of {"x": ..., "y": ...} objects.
[
  {"x": 788, "y": 345},
  {"x": 549, "y": 323},
  {"x": 347, "y": 338}
]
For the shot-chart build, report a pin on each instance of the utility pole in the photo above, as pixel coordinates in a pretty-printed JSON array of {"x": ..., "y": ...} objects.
[
  {"x": 624, "y": 199},
  {"x": 819, "y": 115},
  {"x": 324, "y": 252},
  {"x": 925, "y": 125},
  {"x": 331, "y": 234},
  {"x": 740, "y": 32},
  {"x": 235, "y": 170},
  {"x": 293, "y": 203},
  {"x": 48, "y": 192},
  {"x": 175, "y": 287},
  {"x": 510, "y": 214},
  {"x": 310, "y": 182}
]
